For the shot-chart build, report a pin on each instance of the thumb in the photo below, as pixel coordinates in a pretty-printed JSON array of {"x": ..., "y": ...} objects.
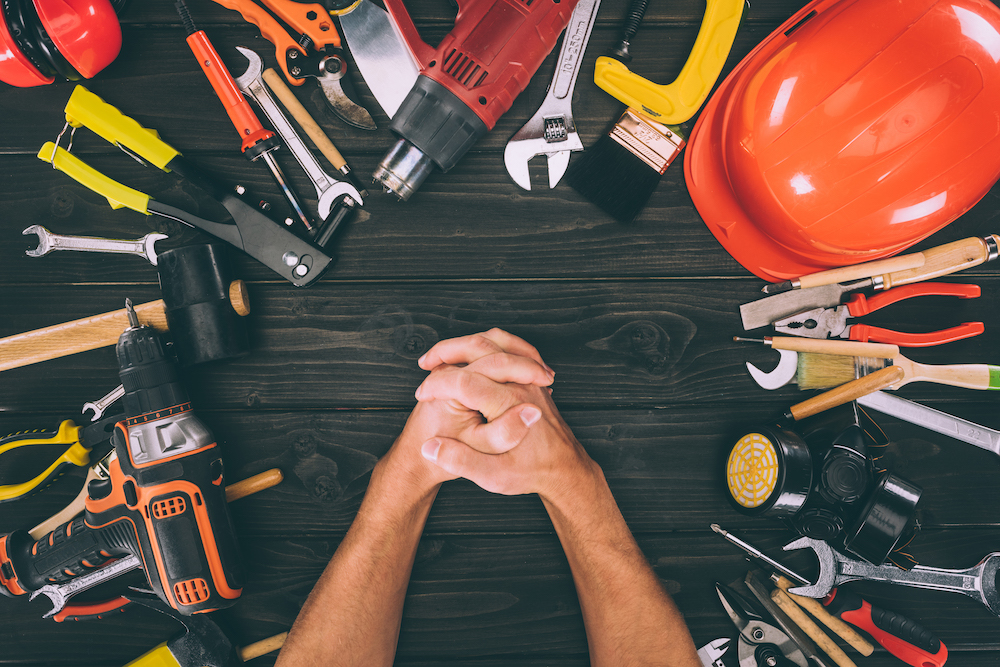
[{"x": 457, "y": 458}]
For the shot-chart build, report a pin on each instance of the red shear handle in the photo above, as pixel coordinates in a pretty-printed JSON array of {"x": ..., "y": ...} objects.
[
  {"x": 860, "y": 305},
  {"x": 897, "y": 634},
  {"x": 866, "y": 333},
  {"x": 94, "y": 610}
]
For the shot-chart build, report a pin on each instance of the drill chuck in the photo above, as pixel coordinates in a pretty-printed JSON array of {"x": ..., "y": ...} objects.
[{"x": 148, "y": 372}]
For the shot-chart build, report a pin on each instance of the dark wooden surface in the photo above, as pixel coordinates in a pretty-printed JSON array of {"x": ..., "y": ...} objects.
[{"x": 636, "y": 319}]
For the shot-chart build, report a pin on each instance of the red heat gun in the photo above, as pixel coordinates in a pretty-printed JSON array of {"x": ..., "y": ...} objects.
[{"x": 466, "y": 83}]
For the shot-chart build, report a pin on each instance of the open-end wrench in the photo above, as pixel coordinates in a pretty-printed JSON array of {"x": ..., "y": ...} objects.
[
  {"x": 978, "y": 582},
  {"x": 102, "y": 404},
  {"x": 328, "y": 189},
  {"x": 551, "y": 131},
  {"x": 47, "y": 242},
  {"x": 60, "y": 593}
]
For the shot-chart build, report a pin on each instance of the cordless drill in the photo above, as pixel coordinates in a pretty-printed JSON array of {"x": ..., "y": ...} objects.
[
  {"x": 164, "y": 501},
  {"x": 466, "y": 83}
]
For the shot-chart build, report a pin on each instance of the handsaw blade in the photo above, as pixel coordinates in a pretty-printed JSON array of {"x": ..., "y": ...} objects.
[{"x": 380, "y": 54}]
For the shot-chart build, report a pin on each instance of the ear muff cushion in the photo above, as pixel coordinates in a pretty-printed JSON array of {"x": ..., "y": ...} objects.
[
  {"x": 16, "y": 68},
  {"x": 25, "y": 27},
  {"x": 86, "y": 33}
]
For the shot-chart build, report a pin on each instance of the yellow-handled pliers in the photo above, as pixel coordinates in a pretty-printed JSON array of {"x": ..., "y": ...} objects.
[{"x": 81, "y": 441}]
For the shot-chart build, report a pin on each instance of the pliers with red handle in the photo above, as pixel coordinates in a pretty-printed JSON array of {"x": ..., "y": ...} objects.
[{"x": 833, "y": 322}]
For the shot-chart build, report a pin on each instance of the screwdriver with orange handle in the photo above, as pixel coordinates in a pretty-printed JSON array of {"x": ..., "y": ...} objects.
[{"x": 258, "y": 142}]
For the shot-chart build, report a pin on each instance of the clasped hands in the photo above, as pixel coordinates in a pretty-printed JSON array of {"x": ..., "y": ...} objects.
[{"x": 485, "y": 413}]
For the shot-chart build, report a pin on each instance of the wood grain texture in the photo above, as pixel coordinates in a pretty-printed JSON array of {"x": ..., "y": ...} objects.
[{"x": 637, "y": 321}]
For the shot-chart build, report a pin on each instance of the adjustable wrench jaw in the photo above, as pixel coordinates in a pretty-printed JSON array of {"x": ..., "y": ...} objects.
[{"x": 526, "y": 144}]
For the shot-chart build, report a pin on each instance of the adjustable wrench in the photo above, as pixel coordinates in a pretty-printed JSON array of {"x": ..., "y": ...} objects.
[
  {"x": 328, "y": 189},
  {"x": 551, "y": 131},
  {"x": 978, "y": 582},
  {"x": 47, "y": 242},
  {"x": 60, "y": 593}
]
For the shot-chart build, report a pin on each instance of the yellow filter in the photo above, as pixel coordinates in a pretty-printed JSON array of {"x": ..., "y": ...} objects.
[{"x": 752, "y": 470}]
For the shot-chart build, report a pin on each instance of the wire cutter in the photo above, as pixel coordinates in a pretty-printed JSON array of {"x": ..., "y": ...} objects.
[
  {"x": 833, "y": 322},
  {"x": 81, "y": 441},
  {"x": 760, "y": 644},
  {"x": 296, "y": 59}
]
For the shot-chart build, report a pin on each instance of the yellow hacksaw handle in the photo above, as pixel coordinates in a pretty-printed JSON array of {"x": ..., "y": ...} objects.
[{"x": 677, "y": 102}]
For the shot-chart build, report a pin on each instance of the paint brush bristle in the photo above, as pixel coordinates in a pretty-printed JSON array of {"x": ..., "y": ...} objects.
[{"x": 822, "y": 371}]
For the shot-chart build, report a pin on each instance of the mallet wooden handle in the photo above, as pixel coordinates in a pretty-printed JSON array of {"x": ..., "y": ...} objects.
[
  {"x": 90, "y": 333},
  {"x": 867, "y": 270},
  {"x": 263, "y": 647},
  {"x": 847, "y": 392},
  {"x": 234, "y": 491},
  {"x": 780, "y": 598},
  {"x": 303, "y": 118},
  {"x": 814, "y": 607}
]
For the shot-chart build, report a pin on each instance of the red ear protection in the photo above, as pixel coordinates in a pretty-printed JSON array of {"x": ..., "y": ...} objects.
[{"x": 41, "y": 40}]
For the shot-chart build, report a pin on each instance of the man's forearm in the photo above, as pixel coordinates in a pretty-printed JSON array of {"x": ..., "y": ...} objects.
[
  {"x": 353, "y": 614},
  {"x": 630, "y": 619}
]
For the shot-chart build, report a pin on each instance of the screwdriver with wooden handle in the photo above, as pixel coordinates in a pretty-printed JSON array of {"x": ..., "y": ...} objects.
[
  {"x": 940, "y": 261},
  {"x": 899, "y": 635}
]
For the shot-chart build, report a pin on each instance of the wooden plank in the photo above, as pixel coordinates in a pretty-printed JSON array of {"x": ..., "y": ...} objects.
[
  {"x": 476, "y": 599},
  {"x": 664, "y": 466},
  {"x": 613, "y": 343}
]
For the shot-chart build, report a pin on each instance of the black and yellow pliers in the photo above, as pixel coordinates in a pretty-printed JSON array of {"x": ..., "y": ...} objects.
[{"x": 81, "y": 441}]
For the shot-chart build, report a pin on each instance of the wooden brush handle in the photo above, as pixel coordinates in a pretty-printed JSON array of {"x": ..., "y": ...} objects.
[
  {"x": 90, "y": 333},
  {"x": 234, "y": 491},
  {"x": 780, "y": 598},
  {"x": 943, "y": 260},
  {"x": 848, "y": 348},
  {"x": 847, "y": 392},
  {"x": 970, "y": 376},
  {"x": 303, "y": 118},
  {"x": 819, "y": 612},
  {"x": 263, "y": 647},
  {"x": 866, "y": 270}
]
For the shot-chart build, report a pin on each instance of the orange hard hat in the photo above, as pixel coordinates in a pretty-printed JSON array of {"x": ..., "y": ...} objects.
[{"x": 856, "y": 129}]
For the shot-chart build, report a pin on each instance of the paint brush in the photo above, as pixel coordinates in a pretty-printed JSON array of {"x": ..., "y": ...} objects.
[{"x": 822, "y": 371}]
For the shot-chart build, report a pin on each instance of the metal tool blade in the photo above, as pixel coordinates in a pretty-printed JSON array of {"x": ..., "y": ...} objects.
[
  {"x": 763, "y": 312},
  {"x": 349, "y": 111},
  {"x": 380, "y": 54},
  {"x": 934, "y": 420},
  {"x": 712, "y": 652},
  {"x": 807, "y": 646}
]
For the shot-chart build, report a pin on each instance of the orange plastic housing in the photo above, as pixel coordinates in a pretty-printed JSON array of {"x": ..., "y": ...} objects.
[{"x": 855, "y": 130}]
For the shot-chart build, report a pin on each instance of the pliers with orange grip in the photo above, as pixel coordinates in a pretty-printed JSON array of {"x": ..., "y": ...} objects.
[{"x": 833, "y": 322}]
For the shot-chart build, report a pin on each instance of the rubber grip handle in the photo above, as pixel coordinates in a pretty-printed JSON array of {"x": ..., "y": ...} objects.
[
  {"x": 92, "y": 611},
  {"x": 117, "y": 194},
  {"x": 865, "y": 332},
  {"x": 846, "y": 392},
  {"x": 67, "y": 552},
  {"x": 242, "y": 116},
  {"x": 310, "y": 20},
  {"x": 75, "y": 455},
  {"x": 944, "y": 260},
  {"x": 678, "y": 101},
  {"x": 85, "y": 109},
  {"x": 899, "y": 635},
  {"x": 860, "y": 305},
  {"x": 271, "y": 31}
]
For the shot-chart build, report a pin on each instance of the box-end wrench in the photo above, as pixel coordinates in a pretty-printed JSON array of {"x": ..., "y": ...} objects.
[
  {"x": 551, "y": 131},
  {"x": 978, "y": 582},
  {"x": 60, "y": 593},
  {"x": 328, "y": 189},
  {"x": 47, "y": 242}
]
